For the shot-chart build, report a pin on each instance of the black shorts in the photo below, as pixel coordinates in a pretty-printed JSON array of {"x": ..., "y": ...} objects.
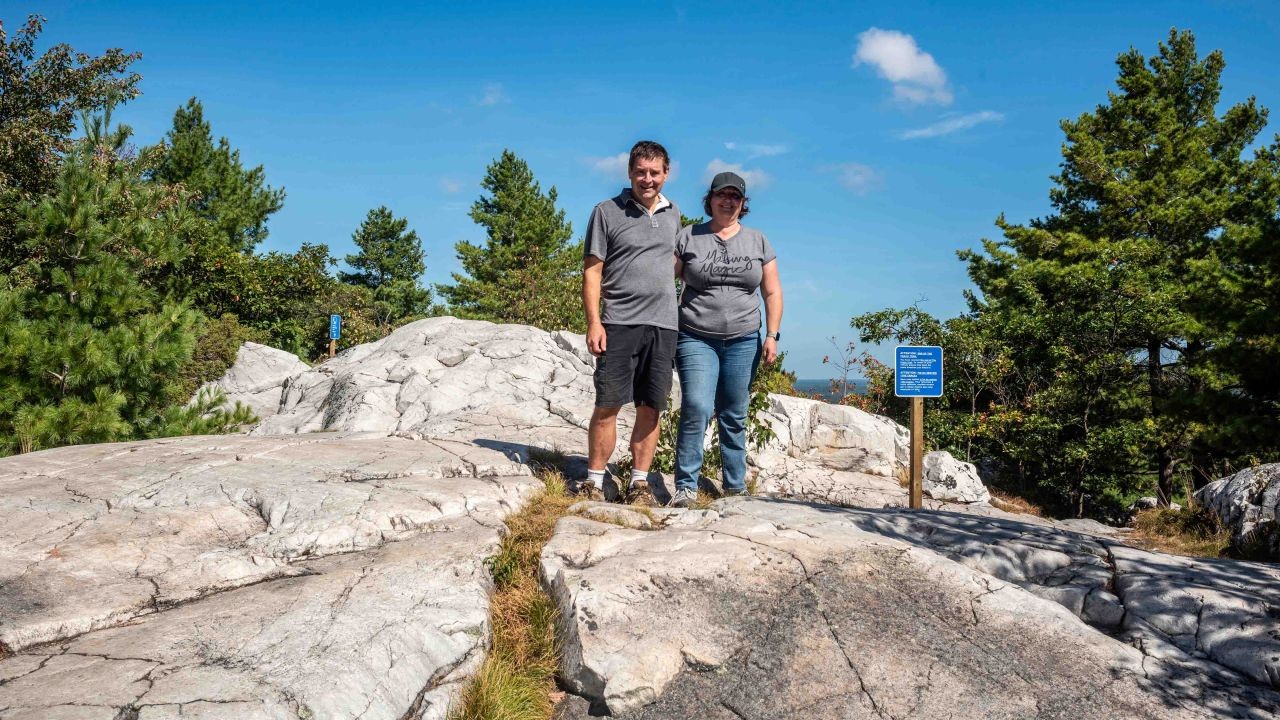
[{"x": 636, "y": 366}]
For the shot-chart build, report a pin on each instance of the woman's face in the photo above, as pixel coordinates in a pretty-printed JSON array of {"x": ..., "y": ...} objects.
[{"x": 726, "y": 203}]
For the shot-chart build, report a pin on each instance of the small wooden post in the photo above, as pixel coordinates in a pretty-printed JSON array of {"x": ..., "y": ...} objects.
[
  {"x": 333, "y": 347},
  {"x": 917, "y": 452}
]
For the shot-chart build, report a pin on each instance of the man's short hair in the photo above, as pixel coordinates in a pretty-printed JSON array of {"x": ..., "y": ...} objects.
[{"x": 648, "y": 150}]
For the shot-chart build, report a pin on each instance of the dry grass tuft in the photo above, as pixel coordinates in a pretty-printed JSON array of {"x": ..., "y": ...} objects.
[
  {"x": 1009, "y": 502},
  {"x": 517, "y": 679},
  {"x": 1191, "y": 531}
]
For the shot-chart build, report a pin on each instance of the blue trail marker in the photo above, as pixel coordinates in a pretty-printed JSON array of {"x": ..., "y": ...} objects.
[{"x": 335, "y": 327}]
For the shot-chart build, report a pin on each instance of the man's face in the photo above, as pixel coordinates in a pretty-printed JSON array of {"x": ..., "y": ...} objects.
[{"x": 647, "y": 177}]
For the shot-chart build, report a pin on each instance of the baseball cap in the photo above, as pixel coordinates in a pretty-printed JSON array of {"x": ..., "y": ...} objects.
[{"x": 729, "y": 180}]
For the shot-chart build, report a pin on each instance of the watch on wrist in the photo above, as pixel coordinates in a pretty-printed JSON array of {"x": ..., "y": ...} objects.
[{"x": 775, "y": 336}]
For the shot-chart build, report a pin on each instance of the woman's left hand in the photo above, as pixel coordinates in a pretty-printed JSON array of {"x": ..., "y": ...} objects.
[{"x": 770, "y": 350}]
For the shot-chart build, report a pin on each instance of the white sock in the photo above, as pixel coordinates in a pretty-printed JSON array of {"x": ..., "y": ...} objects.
[
  {"x": 639, "y": 476},
  {"x": 596, "y": 477}
]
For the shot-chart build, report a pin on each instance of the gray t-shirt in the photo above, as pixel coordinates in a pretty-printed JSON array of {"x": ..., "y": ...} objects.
[
  {"x": 721, "y": 279},
  {"x": 638, "y": 286}
]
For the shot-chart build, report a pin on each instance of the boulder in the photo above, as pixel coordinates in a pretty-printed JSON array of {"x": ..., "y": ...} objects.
[
  {"x": 258, "y": 378},
  {"x": 946, "y": 478},
  {"x": 832, "y": 436},
  {"x": 761, "y": 608},
  {"x": 327, "y": 575},
  {"x": 1248, "y": 504},
  {"x": 445, "y": 377}
]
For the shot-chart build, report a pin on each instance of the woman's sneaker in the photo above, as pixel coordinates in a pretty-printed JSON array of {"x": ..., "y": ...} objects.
[
  {"x": 683, "y": 499},
  {"x": 734, "y": 492}
]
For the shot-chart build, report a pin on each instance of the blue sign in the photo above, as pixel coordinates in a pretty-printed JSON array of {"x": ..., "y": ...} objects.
[
  {"x": 335, "y": 327},
  {"x": 917, "y": 371}
]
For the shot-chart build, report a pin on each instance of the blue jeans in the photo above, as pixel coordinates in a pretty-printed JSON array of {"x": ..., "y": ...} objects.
[{"x": 715, "y": 380}]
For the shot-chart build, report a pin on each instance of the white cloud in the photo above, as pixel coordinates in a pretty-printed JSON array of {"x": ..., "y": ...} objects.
[
  {"x": 916, "y": 76},
  {"x": 755, "y": 150},
  {"x": 756, "y": 179},
  {"x": 450, "y": 185},
  {"x": 948, "y": 125},
  {"x": 615, "y": 166},
  {"x": 494, "y": 94},
  {"x": 856, "y": 177}
]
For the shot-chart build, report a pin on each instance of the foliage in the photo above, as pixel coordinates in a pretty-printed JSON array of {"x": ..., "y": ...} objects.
[
  {"x": 276, "y": 294},
  {"x": 1154, "y": 178},
  {"x": 518, "y": 674},
  {"x": 206, "y": 415},
  {"x": 39, "y": 102},
  {"x": 1109, "y": 344},
  {"x": 390, "y": 263},
  {"x": 528, "y": 271},
  {"x": 759, "y": 434},
  {"x": 774, "y": 378},
  {"x": 233, "y": 201},
  {"x": 217, "y": 343},
  {"x": 1193, "y": 531},
  {"x": 93, "y": 352}
]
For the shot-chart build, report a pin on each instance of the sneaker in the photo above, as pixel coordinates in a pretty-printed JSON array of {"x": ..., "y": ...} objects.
[
  {"x": 734, "y": 492},
  {"x": 612, "y": 493},
  {"x": 588, "y": 491},
  {"x": 683, "y": 499}
]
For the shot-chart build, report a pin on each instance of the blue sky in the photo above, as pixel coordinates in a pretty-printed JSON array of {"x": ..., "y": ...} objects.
[{"x": 877, "y": 138}]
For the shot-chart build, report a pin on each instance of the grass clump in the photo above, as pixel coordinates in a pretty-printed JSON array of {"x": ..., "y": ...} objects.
[
  {"x": 517, "y": 679},
  {"x": 1191, "y": 531},
  {"x": 1009, "y": 502}
]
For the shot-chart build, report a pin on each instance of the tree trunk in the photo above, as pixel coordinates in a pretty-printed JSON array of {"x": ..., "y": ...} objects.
[{"x": 1164, "y": 453}]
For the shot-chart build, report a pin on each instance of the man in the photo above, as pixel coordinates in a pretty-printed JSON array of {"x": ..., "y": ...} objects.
[{"x": 628, "y": 261}]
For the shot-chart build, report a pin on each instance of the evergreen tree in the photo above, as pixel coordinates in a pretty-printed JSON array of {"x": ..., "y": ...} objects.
[
  {"x": 277, "y": 294},
  {"x": 1239, "y": 292},
  {"x": 1154, "y": 176},
  {"x": 92, "y": 350},
  {"x": 528, "y": 271},
  {"x": 234, "y": 201},
  {"x": 1101, "y": 306},
  {"x": 39, "y": 100},
  {"x": 390, "y": 263}
]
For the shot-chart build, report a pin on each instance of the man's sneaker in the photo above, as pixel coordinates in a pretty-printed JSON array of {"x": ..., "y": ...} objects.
[
  {"x": 683, "y": 499},
  {"x": 588, "y": 491},
  {"x": 612, "y": 493},
  {"x": 734, "y": 492}
]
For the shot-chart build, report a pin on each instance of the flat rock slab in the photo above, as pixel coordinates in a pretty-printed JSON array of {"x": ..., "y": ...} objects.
[
  {"x": 320, "y": 575},
  {"x": 771, "y": 609}
]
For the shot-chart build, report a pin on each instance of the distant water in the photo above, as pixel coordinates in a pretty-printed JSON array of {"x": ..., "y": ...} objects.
[{"x": 822, "y": 387}]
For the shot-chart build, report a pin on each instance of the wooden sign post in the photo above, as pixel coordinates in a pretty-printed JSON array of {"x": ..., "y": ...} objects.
[
  {"x": 917, "y": 374},
  {"x": 917, "y": 452}
]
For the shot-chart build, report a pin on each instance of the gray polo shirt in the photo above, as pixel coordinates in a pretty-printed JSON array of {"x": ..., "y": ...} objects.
[
  {"x": 636, "y": 246},
  {"x": 721, "y": 279}
]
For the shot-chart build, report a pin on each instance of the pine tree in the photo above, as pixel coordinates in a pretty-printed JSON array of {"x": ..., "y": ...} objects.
[
  {"x": 92, "y": 350},
  {"x": 390, "y": 263},
  {"x": 528, "y": 271},
  {"x": 236, "y": 202},
  {"x": 39, "y": 100},
  {"x": 1101, "y": 303}
]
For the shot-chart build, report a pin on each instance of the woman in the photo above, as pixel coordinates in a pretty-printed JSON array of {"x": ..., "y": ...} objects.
[{"x": 723, "y": 264}]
